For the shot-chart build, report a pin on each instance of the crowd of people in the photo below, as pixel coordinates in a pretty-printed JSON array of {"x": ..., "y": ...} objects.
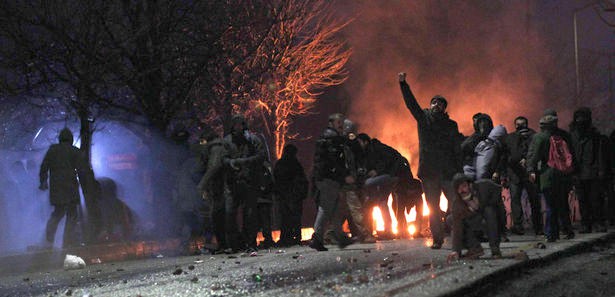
[{"x": 353, "y": 172}]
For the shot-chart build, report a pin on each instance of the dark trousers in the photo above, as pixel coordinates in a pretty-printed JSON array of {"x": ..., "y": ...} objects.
[
  {"x": 516, "y": 189},
  {"x": 487, "y": 221},
  {"x": 329, "y": 203},
  {"x": 610, "y": 198},
  {"x": 264, "y": 221},
  {"x": 432, "y": 187},
  {"x": 241, "y": 195},
  {"x": 291, "y": 210},
  {"x": 558, "y": 211},
  {"x": 591, "y": 201},
  {"x": 59, "y": 211}
]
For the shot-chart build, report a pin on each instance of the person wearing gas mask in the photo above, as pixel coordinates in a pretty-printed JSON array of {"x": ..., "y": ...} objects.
[
  {"x": 439, "y": 154},
  {"x": 244, "y": 164},
  {"x": 591, "y": 166},
  {"x": 518, "y": 143}
]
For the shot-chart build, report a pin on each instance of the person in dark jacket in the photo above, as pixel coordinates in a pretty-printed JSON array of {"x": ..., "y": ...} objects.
[
  {"x": 474, "y": 203},
  {"x": 291, "y": 188},
  {"x": 264, "y": 205},
  {"x": 245, "y": 163},
  {"x": 554, "y": 183},
  {"x": 482, "y": 127},
  {"x": 212, "y": 185},
  {"x": 590, "y": 170},
  {"x": 62, "y": 164},
  {"x": 439, "y": 154},
  {"x": 517, "y": 144},
  {"x": 330, "y": 172}
]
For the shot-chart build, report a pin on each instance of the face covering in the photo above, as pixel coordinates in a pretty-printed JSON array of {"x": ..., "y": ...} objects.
[{"x": 466, "y": 197}]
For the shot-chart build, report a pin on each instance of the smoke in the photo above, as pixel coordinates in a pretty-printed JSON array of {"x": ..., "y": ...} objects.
[
  {"x": 141, "y": 165},
  {"x": 483, "y": 56}
]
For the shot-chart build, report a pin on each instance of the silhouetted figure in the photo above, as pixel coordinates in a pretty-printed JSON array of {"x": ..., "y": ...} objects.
[
  {"x": 291, "y": 187},
  {"x": 63, "y": 163}
]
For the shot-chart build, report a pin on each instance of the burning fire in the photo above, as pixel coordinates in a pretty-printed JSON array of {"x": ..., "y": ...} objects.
[{"x": 409, "y": 216}]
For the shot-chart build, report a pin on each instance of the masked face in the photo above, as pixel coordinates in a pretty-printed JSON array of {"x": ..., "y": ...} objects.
[
  {"x": 520, "y": 125},
  {"x": 582, "y": 122}
]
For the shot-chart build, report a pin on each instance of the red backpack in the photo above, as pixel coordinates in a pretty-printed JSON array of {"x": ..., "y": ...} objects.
[{"x": 560, "y": 157}]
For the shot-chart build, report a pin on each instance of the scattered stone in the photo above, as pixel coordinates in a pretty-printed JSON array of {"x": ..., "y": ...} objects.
[
  {"x": 125, "y": 281},
  {"x": 348, "y": 279},
  {"x": 69, "y": 292},
  {"x": 120, "y": 269},
  {"x": 603, "y": 273},
  {"x": 394, "y": 253},
  {"x": 237, "y": 262},
  {"x": 198, "y": 261},
  {"x": 367, "y": 251},
  {"x": 195, "y": 279},
  {"x": 178, "y": 271},
  {"x": 73, "y": 262},
  {"x": 521, "y": 256},
  {"x": 27, "y": 279},
  {"x": 260, "y": 269},
  {"x": 297, "y": 256},
  {"x": 471, "y": 267},
  {"x": 191, "y": 267},
  {"x": 363, "y": 279},
  {"x": 455, "y": 280}
]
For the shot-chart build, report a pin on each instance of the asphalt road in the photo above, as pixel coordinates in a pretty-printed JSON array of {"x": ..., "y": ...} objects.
[
  {"x": 590, "y": 274},
  {"x": 393, "y": 268}
]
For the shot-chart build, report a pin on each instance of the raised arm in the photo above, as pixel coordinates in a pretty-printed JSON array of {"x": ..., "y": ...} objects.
[{"x": 410, "y": 100}]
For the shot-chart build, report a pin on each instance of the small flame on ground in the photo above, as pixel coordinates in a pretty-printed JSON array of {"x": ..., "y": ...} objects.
[
  {"x": 394, "y": 222},
  {"x": 378, "y": 219}
]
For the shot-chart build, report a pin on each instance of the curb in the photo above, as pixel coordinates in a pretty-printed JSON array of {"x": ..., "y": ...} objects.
[{"x": 482, "y": 286}]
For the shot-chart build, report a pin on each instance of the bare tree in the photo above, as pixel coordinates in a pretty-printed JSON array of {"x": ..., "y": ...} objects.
[{"x": 272, "y": 62}]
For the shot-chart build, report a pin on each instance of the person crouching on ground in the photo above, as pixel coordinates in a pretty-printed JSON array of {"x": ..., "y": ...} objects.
[{"x": 474, "y": 203}]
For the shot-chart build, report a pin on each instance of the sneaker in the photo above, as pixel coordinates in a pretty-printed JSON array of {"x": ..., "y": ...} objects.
[
  {"x": 437, "y": 244},
  {"x": 474, "y": 253},
  {"x": 368, "y": 239},
  {"x": 496, "y": 253},
  {"x": 344, "y": 242},
  {"x": 317, "y": 245},
  {"x": 517, "y": 230},
  {"x": 570, "y": 235}
]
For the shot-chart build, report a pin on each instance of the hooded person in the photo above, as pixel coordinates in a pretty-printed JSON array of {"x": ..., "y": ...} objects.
[
  {"x": 490, "y": 155},
  {"x": 591, "y": 165},
  {"x": 244, "y": 166},
  {"x": 439, "y": 153},
  {"x": 474, "y": 207},
  {"x": 550, "y": 163},
  {"x": 483, "y": 125},
  {"x": 62, "y": 165},
  {"x": 517, "y": 145}
]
